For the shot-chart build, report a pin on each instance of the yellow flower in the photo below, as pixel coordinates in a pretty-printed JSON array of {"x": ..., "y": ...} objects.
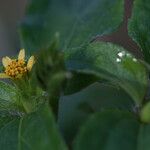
[{"x": 16, "y": 68}]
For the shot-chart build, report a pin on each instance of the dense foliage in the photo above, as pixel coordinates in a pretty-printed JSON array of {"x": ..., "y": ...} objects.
[{"x": 81, "y": 94}]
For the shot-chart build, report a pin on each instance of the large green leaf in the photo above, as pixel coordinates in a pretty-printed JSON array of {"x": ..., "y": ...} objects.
[
  {"x": 139, "y": 26},
  {"x": 113, "y": 130},
  {"x": 77, "y": 21},
  {"x": 75, "y": 109},
  {"x": 111, "y": 62},
  {"x": 36, "y": 131}
]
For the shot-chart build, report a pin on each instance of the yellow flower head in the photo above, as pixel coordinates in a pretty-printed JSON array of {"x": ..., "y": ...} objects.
[{"x": 16, "y": 68}]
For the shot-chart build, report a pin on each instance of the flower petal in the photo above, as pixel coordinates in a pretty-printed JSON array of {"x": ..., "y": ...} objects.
[
  {"x": 21, "y": 55},
  {"x": 6, "y": 61},
  {"x": 3, "y": 76},
  {"x": 30, "y": 63}
]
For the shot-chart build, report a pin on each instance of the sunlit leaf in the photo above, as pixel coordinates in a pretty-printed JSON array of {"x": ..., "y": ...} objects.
[{"x": 113, "y": 63}]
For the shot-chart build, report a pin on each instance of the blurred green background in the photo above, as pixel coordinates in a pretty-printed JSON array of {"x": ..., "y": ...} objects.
[{"x": 12, "y": 12}]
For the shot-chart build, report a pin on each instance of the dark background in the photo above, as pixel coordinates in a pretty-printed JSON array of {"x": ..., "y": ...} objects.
[{"x": 12, "y": 11}]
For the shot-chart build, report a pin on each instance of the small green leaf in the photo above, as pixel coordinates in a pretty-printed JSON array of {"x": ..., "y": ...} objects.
[
  {"x": 145, "y": 113},
  {"x": 36, "y": 131},
  {"x": 113, "y": 63},
  {"x": 9, "y": 98},
  {"x": 77, "y": 21},
  {"x": 139, "y": 26}
]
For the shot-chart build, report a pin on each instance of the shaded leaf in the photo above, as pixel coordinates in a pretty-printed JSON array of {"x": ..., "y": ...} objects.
[
  {"x": 75, "y": 109},
  {"x": 113, "y": 130}
]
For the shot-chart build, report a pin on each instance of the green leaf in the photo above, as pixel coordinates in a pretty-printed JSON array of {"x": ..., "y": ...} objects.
[
  {"x": 113, "y": 63},
  {"x": 35, "y": 131},
  {"x": 9, "y": 98},
  {"x": 76, "y": 108},
  {"x": 139, "y": 26},
  {"x": 113, "y": 130},
  {"x": 77, "y": 21}
]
